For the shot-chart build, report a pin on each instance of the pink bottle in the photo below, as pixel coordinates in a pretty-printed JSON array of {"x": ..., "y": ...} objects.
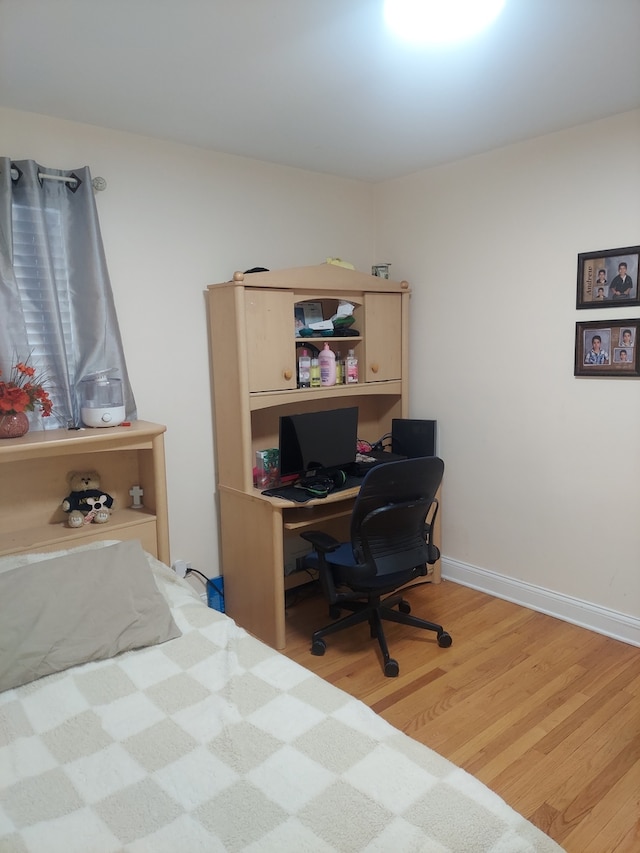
[{"x": 327, "y": 361}]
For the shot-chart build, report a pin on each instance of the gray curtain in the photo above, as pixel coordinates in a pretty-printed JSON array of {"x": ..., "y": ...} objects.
[{"x": 96, "y": 342}]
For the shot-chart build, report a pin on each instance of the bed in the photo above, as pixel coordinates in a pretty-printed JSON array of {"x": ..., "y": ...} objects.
[{"x": 135, "y": 718}]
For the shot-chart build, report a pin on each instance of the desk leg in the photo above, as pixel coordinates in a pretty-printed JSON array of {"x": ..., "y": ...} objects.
[{"x": 253, "y": 565}]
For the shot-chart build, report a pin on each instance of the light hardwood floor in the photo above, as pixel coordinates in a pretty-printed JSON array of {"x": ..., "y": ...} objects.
[{"x": 544, "y": 713}]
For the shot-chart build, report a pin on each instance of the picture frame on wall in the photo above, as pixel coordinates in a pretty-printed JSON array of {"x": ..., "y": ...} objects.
[
  {"x": 608, "y": 348},
  {"x": 608, "y": 278}
]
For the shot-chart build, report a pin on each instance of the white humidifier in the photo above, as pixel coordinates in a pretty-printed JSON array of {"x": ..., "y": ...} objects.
[{"x": 102, "y": 402}]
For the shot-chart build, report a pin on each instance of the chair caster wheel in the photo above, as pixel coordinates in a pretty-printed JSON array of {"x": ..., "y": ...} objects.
[
  {"x": 334, "y": 612},
  {"x": 404, "y": 607},
  {"x": 318, "y": 647},
  {"x": 444, "y": 640},
  {"x": 391, "y": 668}
]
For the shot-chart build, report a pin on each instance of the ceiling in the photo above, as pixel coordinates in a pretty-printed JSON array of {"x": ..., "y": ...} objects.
[{"x": 318, "y": 84}]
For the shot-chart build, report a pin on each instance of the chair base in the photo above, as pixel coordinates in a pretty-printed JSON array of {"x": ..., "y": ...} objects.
[{"x": 373, "y": 611}]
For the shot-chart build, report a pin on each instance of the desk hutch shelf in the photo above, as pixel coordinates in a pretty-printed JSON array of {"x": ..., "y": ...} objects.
[{"x": 253, "y": 371}]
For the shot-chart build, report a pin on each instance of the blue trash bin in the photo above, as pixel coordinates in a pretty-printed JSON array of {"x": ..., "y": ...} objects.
[{"x": 215, "y": 593}]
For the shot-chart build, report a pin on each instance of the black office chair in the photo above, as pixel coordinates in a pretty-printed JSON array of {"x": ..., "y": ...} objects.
[{"x": 390, "y": 546}]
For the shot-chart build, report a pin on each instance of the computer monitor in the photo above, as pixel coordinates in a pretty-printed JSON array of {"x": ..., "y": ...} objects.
[
  {"x": 322, "y": 441},
  {"x": 413, "y": 437}
]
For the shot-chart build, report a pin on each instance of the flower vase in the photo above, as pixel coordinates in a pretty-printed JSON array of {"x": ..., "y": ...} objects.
[{"x": 13, "y": 426}]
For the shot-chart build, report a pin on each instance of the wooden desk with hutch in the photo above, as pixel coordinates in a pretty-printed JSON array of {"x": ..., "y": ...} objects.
[{"x": 253, "y": 371}]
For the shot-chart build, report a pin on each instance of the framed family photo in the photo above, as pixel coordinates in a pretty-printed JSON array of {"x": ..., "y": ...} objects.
[
  {"x": 609, "y": 278},
  {"x": 606, "y": 348}
]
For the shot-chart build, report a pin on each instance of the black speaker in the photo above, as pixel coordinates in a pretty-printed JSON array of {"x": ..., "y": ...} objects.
[{"x": 413, "y": 438}]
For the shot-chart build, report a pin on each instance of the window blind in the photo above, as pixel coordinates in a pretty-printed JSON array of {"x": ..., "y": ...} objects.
[{"x": 40, "y": 257}]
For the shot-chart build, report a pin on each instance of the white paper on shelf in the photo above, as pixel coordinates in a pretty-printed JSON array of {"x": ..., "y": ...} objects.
[
  {"x": 345, "y": 309},
  {"x": 321, "y": 326}
]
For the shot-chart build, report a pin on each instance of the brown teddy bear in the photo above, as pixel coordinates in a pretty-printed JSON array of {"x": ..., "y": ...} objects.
[{"x": 87, "y": 502}]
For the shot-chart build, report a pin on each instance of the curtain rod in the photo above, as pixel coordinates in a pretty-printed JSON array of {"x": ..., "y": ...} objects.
[{"x": 97, "y": 183}]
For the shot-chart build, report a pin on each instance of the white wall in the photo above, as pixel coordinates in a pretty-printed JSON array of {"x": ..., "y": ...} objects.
[
  {"x": 542, "y": 482},
  {"x": 175, "y": 219},
  {"x": 543, "y": 470}
]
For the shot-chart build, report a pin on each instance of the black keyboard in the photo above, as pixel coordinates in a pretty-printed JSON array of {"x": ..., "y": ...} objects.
[{"x": 299, "y": 494}]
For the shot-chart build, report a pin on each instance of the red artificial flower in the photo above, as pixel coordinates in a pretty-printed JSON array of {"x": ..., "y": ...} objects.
[{"x": 24, "y": 391}]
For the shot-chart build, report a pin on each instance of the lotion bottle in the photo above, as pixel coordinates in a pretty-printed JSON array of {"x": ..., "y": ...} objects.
[
  {"x": 351, "y": 367},
  {"x": 327, "y": 362}
]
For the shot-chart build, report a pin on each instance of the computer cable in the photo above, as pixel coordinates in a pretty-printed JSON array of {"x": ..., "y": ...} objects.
[{"x": 380, "y": 443}]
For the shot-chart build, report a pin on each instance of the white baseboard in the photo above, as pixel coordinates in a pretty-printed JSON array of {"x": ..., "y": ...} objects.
[{"x": 573, "y": 610}]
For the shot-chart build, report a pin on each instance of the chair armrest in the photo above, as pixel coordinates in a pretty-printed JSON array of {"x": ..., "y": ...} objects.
[
  {"x": 433, "y": 553},
  {"x": 321, "y": 541}
]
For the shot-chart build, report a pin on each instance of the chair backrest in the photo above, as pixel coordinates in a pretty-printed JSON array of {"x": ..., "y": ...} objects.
[{"x": 388, "y": 518}]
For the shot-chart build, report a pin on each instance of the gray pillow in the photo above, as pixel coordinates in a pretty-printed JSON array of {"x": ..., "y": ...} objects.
[{"x": 86, "y": 605}]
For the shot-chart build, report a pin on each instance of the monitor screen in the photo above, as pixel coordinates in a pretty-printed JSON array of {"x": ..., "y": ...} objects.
[{"x": 318, "y": 441}]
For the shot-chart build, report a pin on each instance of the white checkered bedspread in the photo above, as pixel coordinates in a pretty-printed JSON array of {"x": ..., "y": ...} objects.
[{"x": 215, "y": 742}]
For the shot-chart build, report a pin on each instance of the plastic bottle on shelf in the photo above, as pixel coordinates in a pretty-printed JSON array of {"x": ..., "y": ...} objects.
[
  {"x": 315, "y": 373},
  {"x": 327, "y": 362},
  {"x": 351, "y": 367},
  {"x": 339, "y": 369},
  {"x": 304, "y": 369}
]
